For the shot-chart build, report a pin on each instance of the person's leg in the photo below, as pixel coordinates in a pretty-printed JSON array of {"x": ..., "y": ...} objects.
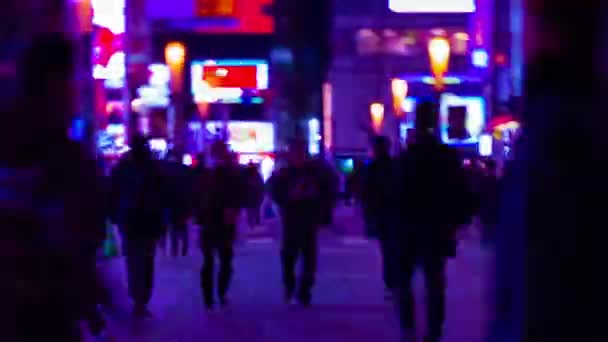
[
  {"x": 289, "y": 257},
  {"x": 174, "y": 239},
  {"x": 226, "y": 255},
  {"x": 180, "y": 229},
  {"x": 309, "y": 265},
  {"x": 405, "y": 295},
  {"x": 434, "y": 278},
  {"x": 208, "y": 247},
  {"x": 148, "y": 271},
  {"x": 134, "y": 266}
]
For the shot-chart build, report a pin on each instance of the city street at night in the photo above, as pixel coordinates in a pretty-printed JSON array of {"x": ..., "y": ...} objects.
[{"x": 348, "y": 303}]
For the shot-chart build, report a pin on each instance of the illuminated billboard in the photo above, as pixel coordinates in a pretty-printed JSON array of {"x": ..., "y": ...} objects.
[
  {"x": 246, "y": 136},
  {"x": 108, "y": 41},
  {"x": 229, "y": 81},
  {"x": 462, "y": 119},
  {"x": 215, "y": 16},
  {"x": 432, "y": 6}
]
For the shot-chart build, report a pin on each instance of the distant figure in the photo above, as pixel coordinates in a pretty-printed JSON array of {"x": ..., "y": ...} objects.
[
  {"x": 489, "y": 202},
  {"x": 254, "y": 194},
  {"x": 140, "y": 191},
  {"x": 435, "y": 201},
  {"x": 296, "y": 189},
  {"x": 379, "y": 200},
  {"x": 219, "y": 198},
  {"x": 180, "y": 182}
]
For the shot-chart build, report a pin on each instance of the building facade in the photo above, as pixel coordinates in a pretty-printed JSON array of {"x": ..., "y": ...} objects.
[{"x": 374, "y": 44}]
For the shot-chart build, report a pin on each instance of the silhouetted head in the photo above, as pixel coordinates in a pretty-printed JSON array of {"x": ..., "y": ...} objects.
[
  {"x": 140, "y": 150},
  {"x": 298, "y": 152},
  {"x": 426, "y": 120},
  {"x": 220, "y": 152},
  {"x": 46, "y": 69},
  {"x": 381, "y": 146}
]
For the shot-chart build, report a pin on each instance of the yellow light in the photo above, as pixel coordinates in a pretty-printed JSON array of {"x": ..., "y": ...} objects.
[
  {"x": 399, "y": 89},
  {"x": 175, "y": 53},
  {"x": 439, "y": 55},
  {"x": 376, "y": 111}
]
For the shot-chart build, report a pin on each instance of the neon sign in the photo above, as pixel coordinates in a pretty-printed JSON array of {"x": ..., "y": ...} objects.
[{"x": 432, "y": 6}]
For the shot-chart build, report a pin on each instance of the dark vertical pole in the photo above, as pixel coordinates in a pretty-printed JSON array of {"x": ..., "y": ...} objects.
[{"x": 538, "y": 273}]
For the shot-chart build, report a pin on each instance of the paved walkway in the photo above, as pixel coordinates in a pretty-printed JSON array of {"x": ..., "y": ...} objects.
[{"x": 348, "y": 298}]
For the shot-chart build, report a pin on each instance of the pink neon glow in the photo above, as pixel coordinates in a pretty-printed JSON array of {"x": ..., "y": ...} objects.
[{"x": 432, "y": 6}]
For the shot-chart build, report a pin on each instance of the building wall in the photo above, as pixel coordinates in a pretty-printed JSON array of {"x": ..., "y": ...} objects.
[{"x": 358, "y": 80}]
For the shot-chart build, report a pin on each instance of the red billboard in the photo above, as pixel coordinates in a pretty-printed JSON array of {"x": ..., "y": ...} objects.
[
  {"x": 229, "y": 76},
  {"x": 235, "y": 16}
]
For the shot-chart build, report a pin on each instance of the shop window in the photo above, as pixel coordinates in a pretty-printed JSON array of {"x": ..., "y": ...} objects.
[{"x": 368, "y": 42}]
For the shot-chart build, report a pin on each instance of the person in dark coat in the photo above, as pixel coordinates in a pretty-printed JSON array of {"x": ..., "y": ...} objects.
[
  {"x": 220, "y": 199},
  {"x": 435, "y": 201},
  {"x": 140, "y": 190},
  {"x": 379, "y": 199},
  {"x": 489, "y": 206},
  {"x": 297, "y": 190},
  {"x": 254, "y": 194},
  {"x": 180, "y": 180}
]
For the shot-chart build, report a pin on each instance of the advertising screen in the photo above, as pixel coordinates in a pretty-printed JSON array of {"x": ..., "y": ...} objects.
[
  {"x": 108, "y": 41},
  {"x": 236, "y": 16},
  {"x": 215, "y": 16},
  {"x": 432, "y": 6},
  {"x": 462, "y": 119},
  {"x": 246, "y": 136},
  {"x": 229, "y": 81}
]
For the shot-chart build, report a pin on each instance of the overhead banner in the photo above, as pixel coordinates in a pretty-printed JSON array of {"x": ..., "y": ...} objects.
[{"x": 215, "y": 8}]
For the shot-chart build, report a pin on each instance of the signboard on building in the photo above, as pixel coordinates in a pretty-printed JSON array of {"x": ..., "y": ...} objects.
[
  {"x": 215, "y": 8},
  {"x": 215, "y": 16},
  {"x": 432, "y": 6}
]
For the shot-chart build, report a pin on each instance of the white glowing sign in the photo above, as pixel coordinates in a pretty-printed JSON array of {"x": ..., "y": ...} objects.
[
  {"x": 432, "y": 6},
  {"x": 109, "y": 14}
]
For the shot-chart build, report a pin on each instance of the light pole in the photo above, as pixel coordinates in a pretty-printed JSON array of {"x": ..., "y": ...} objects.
[{"x": 175, "y": 57}]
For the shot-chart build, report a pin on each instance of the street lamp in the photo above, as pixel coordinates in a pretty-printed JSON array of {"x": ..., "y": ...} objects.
[
  {"x": 376, "y": 111},
  {"x": 175, "y": 57},
  {"x": 439, "y": 56},
  {"x": 399, "y": 90}
]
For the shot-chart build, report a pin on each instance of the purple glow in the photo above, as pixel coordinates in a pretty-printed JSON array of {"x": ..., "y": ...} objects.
[{"x": 432, "y": 6}]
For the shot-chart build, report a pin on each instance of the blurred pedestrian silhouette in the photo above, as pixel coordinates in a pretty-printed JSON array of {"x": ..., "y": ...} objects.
[
  {"x": 435, "y": 201},
  {"x": 140, "y": 193},
  {"x": 254, "y": 195},
  {"x": 180, "y": 182},
  {"x": 219, "y": 200},
  {"x": 379, "y": 198},
  {"x": 297, "y": 190},
  {"x": 49, "y": 209}
]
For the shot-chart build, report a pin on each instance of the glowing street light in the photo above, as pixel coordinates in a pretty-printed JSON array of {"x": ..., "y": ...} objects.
[
  {"x": 376, "y": 111},
  {"x": 439, "y": 55},
  {"x": 175, "y": 53},
  {"x": 399, "y": 89}
]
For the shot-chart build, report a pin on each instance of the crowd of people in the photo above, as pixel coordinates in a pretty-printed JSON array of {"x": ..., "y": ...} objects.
[{"x": 54, "y": 208}]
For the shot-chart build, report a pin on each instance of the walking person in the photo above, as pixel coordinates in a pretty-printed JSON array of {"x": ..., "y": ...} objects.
[
  {"x": 180, "y": 180},
  {"x": 297, "y": 190},
  {"x": 379, "y": 198},
  {"x": 435, "y": 202},
  {"x": 255, "y": 195},
  {"x": 219, "y": 199},
  {"x": 489, "y": 203},
  {"x": 140, "y": 190}
]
